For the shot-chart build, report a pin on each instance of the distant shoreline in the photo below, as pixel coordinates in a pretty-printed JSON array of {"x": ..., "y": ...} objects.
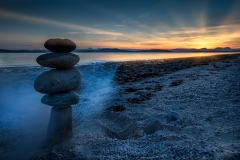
[{"x": 114, "y": 50}]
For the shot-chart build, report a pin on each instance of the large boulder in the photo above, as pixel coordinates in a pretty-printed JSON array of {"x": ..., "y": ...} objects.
[
  {"x": 60, "y": 100},
  {"x": 58, "y": 60},
  {"x": 57, "y": 81},
  {"x": 60, "y": 45}
]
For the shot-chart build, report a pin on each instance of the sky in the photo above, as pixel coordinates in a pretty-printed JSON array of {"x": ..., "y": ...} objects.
[{"x": 135, "y": 24}]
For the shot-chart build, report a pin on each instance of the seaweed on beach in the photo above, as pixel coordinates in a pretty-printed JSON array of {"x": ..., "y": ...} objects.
[
  {"x": 133, "y": 71},
  {"x": 140, "y": 99},
  {"x": 117, "y": 108},
  {"x": 176, "y": 83}
]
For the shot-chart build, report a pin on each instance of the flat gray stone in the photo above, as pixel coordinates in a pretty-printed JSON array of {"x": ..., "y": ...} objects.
[
  {"x": 61, "y": 100},
  {"x": 57, "y": 81},
  {"x": 152, "y": 127},
  {"x": 60, "y": 45},
  {"x": 58, "y": 60}
]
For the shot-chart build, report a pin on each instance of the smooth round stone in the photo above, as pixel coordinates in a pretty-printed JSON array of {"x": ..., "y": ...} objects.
[
  {"x": 57, "y": 81},
  {"x": 152, "y": 127},
  {"x": 60, "y": 100},
  {"x": 172, "y": 116},
  {"x": 58, "y": 60},
  {"x": 60, "y": 45}
]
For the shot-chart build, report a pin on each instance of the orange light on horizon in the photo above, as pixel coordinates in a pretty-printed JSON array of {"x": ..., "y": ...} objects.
[{"x": 201, "y": 36}]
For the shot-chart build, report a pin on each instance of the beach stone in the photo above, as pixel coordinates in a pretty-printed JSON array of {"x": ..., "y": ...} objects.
[
  {"x": 57, "y": 81},
  {"x": 60, "y": 100},
  {"x": 172, "y": 116},
  {"x": 141, "y": 92},
  {"x": 58, "y": 60},
  {"x": 231, "y": 156},
  {"x": 60, "y": 45},
  {"x": 152, "y": 127}
]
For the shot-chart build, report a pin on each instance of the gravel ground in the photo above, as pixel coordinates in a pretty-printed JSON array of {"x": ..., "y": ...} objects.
[{"x": 195, "y": 100}]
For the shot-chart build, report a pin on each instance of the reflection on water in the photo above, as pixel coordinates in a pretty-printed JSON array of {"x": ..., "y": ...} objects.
[
  {"x": 136, "y": 56},
  {"x": 29, "y": 59}
]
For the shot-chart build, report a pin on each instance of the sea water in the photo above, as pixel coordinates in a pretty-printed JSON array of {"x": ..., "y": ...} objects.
[{"x": 29, "y": 59}]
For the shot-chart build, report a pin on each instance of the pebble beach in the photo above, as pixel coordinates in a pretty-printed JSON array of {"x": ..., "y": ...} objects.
[{"x": 185, "y": 108}]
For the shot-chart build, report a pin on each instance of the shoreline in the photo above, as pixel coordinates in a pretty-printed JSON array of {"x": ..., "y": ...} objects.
[
  {"x": 116, "y": 61},
  {"x": 203, "y": 91}
]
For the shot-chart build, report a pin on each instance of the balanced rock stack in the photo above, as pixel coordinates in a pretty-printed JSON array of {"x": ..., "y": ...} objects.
[
  {"x": 61, "y": 58},
  {"x": 59, "y": 84}
]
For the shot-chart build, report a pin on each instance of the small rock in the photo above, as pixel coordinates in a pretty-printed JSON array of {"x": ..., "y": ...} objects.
[
  {"x": 141, "y": 92},
  {"x": 58, "y": 60},
  {"x": 117, "y": 108},
  {"x": 176, "y": 83},
  {"x": 131, "y": 89},
  {"x": 60, "y": 45},
  {"x": 172, "y": 116},
  {"x": 60, "y": 100},
  {"x": 152, "y": 127},
  {"x": 231, "y": 156},
  {"x": 56, "y": 81}
]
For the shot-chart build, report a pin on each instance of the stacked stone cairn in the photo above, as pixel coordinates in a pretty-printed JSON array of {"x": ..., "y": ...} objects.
[{"x": 58, "y": 85}]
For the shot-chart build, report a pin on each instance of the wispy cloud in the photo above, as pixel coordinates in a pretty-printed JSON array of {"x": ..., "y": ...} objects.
[
  {"x": 75, "y": 32},
  {"x": 144, "y": 15},
  {"x": 28, "y": 45},
  {"x": 154, "y": 24},
  {"x": 55, "y": 23},
  {"x": 119, "y": 25}
]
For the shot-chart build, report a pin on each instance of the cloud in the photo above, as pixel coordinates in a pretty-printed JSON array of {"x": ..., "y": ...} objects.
[
  {"x": 144, "y": 15},
  {"x": 55, "y": 23},
  {"x": 75, "y": 32},
  {"x": 154, "y": 24},
  {"x": 234, "y": 42},
  {"x": 27, "y": 45},
  {"x": 128, "y": 21},
  {"x": 148, "y": 43},
  {"x": 119, "y": 25}
]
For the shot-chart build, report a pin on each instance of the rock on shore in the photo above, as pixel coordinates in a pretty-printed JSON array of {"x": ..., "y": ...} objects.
[
  {"x": 58, "y": 60},
  {"x": 60, "y": 100},
  {"x": 60, "y": 45},
  {"x": 57, "y": 81}
]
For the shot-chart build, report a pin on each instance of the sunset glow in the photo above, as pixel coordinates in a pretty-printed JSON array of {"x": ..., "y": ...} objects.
[{"x": 147, "y": 28}]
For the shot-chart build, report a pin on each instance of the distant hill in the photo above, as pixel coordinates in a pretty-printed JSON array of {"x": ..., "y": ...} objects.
[
  {"x": 218, "y": 49},
  {"x": 22, "y": 51},
  {"x": 85, "y": 50},
  {"x": 120, "y": 50}
]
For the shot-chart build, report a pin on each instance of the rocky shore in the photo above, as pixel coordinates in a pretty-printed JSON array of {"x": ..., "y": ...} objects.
[{"x": 157, "y": 109}]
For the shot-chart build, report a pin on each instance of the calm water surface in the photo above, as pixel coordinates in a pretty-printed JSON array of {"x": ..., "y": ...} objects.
[{"x": 29, "y": 59}]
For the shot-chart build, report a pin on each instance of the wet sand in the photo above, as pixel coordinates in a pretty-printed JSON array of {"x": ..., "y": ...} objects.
[{"x": 203, "y": 91}]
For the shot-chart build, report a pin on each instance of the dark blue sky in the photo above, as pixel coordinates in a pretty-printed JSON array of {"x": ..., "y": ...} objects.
[{"x": 26, "y": 24}]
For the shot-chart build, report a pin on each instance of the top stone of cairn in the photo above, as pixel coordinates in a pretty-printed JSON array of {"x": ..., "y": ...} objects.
[{"x": 60, "y": 45}]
